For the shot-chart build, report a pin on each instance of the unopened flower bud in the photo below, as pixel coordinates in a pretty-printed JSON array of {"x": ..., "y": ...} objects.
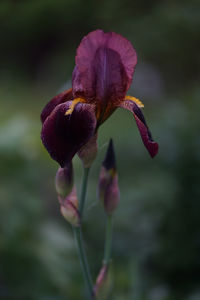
[
  {"x": 64, "y": 180},
  {"x": 88, "y": 152},
  {"x": 103, "y": 283},
  {"x": 69, "y": 208},
  {"x": 108, "y": 181}
]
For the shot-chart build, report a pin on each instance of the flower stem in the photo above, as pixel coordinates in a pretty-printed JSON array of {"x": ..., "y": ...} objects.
[
  {"x": 83, "y": 190},
  {"x": 79, "y": 238},
  {"x": 108, "y": 240},
  {"x": 83, "y": 261}
]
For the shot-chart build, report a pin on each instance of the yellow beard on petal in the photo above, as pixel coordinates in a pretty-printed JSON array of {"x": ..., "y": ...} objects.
[
  {"x": 137, "y": 101},
  {"x": 73, "y": 104}
]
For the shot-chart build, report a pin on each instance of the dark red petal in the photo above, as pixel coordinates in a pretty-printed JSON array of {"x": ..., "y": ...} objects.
[
  {"x": 146, "y": 136},
  {"x": 63, "y": 135},
  {"x": 105, "y": 64},
  {"x": 60, "y": 98}
]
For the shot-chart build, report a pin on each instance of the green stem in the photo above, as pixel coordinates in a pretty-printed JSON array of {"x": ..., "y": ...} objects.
[
  {"x": 108, "y": 240},
  {"x": 83, "y": 260},
  {"x": 83, "y": 190},
  {"x": 79, "y": 239}
]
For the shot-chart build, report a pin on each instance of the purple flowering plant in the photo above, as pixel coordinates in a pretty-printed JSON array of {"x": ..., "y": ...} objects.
[{"x": 104, "y": 68}]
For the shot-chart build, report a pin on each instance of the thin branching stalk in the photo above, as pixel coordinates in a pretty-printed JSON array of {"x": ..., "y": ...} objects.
[
  {"x": 79, "y": 239},
  {"x": 83, "y": 261},
  {"x": 108, "y": 240},
  {"x": 83, "y": 190}
]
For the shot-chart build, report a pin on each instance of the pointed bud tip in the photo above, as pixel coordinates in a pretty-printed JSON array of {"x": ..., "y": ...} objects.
[{"x": 110, "y": 161}]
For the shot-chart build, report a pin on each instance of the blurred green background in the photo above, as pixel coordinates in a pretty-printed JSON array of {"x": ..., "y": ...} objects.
[{"x": 156, "y": 247}]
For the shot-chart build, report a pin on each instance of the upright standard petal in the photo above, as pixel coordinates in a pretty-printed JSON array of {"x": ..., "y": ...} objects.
[
  {"x": 63, "y": 135},
  {"x": 105, "y": 64},
  {"x": 60, "y": 98},
  {"x": 146, "y": 136}
]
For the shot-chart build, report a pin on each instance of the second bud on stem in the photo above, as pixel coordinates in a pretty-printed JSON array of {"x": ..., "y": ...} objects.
[
  {"x": 108, "y": 189},
  {"x": 67, "y": 195}
]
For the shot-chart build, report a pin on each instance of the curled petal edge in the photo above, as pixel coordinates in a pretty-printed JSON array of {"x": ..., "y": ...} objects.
[
  {"x": 58, "y": 99},
  {"x": 145, "y": 133}
]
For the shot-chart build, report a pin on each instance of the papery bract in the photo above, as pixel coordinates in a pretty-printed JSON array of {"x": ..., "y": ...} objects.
[
  {"x": 103, "y": 283},
  {"x": 69, "y": 208},
  {"x": 64, "y": 180},
  {"x": 88, "y": 152}
]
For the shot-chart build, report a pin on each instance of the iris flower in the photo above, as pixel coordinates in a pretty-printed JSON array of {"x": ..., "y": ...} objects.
[{"x": 103, "y": 73}]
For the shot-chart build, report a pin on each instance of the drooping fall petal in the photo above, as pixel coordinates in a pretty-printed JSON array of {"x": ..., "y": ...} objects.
[
  {"x": 146, "y": 136},
  {"x": 63, "y": 135},
  {"x": 60, "y": 98},
  {"x": 105, "y": 64}
]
